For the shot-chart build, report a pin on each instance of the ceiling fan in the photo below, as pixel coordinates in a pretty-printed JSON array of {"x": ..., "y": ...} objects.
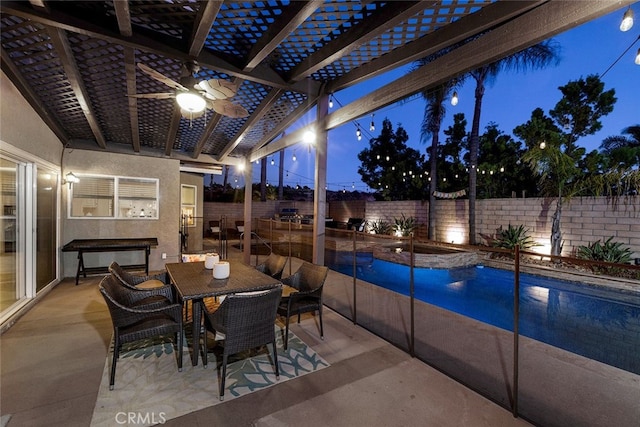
[{"x": 195, "y": 97}]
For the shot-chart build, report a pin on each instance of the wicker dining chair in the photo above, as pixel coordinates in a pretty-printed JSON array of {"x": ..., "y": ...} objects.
[
  {"x": 157, "y": 282},
  {"x": 244, "y": 321},
  {"x": 131, "y": 323},
  {"x": 308, "y": 280},
  {"x": 139, "y": 298},
  {"x": 273, "y": 265}
]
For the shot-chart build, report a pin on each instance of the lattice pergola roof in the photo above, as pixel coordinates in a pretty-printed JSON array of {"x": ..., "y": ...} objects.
[{"x": 75, "y": 62}]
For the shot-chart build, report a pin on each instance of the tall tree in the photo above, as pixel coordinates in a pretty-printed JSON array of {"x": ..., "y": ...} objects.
[
  {"x": 391, "y": 167},
  {"x": 434, "y": 113},
  {"x": 560, "y": 162},
  {"x": 538, "y": 56}
]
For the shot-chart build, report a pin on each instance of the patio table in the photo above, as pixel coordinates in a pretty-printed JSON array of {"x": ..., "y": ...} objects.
[{"x": 194, "y": 282}]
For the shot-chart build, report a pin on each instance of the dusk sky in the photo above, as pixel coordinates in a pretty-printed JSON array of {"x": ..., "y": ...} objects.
[{"x": 588, "y": 49}]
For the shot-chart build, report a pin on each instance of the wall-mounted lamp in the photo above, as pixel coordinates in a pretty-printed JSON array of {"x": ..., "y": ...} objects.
[{"x": 70, "y": 179}]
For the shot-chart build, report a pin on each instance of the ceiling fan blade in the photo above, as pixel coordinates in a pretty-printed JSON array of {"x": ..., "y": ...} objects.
[
  {"x": 166, "y": 95},
  {"x": 218, "y": 89},
  {"x": 229, "y": 109},
  {"x": 160, "y": 77}
]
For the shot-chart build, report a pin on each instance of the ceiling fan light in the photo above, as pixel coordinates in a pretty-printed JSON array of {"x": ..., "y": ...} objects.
[{"x": 191, "y": 102}]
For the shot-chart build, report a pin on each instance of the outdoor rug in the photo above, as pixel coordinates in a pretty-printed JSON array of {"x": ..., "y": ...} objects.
[{"x": 149, "y": 389}]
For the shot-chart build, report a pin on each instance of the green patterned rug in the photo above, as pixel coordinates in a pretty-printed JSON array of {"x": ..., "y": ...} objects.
[{"x": 149, "y": 389}]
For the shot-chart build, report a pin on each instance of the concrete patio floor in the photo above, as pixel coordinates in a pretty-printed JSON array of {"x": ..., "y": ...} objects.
[{"x": 53, "y": 357}]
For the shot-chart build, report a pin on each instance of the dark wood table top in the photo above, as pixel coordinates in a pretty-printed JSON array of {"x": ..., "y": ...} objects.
[
  {"x": 193, "y": 281},
  {"x": 112, "y": 243}
]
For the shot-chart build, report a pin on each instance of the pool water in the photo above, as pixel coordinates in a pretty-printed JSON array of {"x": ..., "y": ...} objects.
[{"x": 598, "y": 323}]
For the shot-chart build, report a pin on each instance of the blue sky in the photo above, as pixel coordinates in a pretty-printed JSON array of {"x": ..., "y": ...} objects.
[{"x": 588, "y": 49}]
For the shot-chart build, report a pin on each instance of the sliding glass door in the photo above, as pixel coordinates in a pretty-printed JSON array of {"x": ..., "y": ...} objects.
[{"x": 29, "y": 229}]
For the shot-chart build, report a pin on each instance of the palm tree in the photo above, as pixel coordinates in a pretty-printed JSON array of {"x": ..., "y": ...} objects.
[
  {"x": 434, "y": 112},
  {"x": 624, "y": 151},
  {"x": 537, "y": 56}
]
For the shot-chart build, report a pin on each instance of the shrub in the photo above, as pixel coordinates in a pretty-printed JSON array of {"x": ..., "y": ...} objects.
[
  {"x": 380, "y": 227},
  {"x": 404, "y": 225},
  {"x": 608, "y": 251},
  {"x": 512, "y": 236}
]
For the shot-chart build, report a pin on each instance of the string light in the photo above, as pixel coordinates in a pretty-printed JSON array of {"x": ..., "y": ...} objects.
[
  {"x": 358, "y": 133},
  {"x": 331, "y": 101},
  {"x": 294, "y": 158},
  {"x": 372, "y": 126},
  {"x": 273, "y": 162},
  {"x": 454, "y": 99},
  {"x": 627, "y": 20}
]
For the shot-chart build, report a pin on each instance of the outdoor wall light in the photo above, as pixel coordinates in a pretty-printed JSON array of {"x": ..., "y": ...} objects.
[
  {"x": 454, "y": 99},
  {"x": 71, "y": 179},
  {"x": 309, "y": 137},
  {"x": 627, "y": 20},
  {"x": 191, "y": 102}
]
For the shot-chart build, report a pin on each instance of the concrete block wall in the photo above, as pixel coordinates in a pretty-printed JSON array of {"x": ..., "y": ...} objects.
[{"x": 583, "y": 220}]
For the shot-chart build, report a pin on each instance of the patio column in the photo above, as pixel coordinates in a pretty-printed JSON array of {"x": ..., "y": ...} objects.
[
  {"x": 246, "y": 243},
  {"x": 320, "y": 182}
]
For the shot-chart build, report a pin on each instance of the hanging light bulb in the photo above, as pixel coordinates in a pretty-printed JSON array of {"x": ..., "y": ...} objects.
[
  {"x": 330, "y": 101},
  {"x": 627, "y": 20},
  {"x": 454, "y": 99},
  {"x": 638, "y": 57},
  {"x": 543, "y": 145},
  {"x": 294, "y": 158},
  {"x": 372, "y": 126},
  {"x": 359, "y": 134},
  {"x": 273, "y": 162}
]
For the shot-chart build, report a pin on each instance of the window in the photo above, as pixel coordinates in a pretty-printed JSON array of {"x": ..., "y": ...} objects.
[
  {"x": 114, "y": 197},
  {"x": 188, "y": 204}
]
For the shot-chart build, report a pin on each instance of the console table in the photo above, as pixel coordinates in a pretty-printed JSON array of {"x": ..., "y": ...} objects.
[{"x": 109, "y": 245}]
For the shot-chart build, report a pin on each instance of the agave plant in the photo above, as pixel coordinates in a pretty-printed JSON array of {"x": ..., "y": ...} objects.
[
  {"x": 512, "y": 236},
  {"x": 404, "y": 225},
  {"x": 380, "y": 227},
  {"x": 608, "y": 251}
]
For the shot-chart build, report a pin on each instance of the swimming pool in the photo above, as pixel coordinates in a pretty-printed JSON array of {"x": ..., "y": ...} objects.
[{"x": 601, "y": 324}]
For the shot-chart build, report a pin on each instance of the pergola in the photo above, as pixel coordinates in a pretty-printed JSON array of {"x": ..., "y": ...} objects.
[{"x": 76, "y": 64}]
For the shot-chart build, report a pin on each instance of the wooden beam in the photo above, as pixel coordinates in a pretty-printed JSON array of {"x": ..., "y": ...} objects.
[
  {"x": 204, "y": 20},
  {"x": 124, "y": 17},
  {"x": 173, "y": 130},
  {"x": 292, "y": 16},
  {"x": 254, "y": 118},
  {"x": 206, "y": 134},
  {"x": 32, "y": 98},
  {"x": 466, "y": 27},
  {"x": 60, "y": 43},
  {"x": 130, "y": 69},
  {"x": 539, "y": 24},
  {"x": 158, "y": 44},
  {"x": 379, "y": 22}
]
